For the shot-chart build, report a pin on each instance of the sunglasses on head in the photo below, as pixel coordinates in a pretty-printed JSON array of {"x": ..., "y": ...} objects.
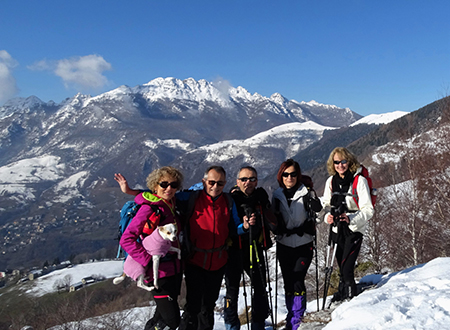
[
  {"x": 292, "y": 174},
  {"x": 251, "y": 179},
  {"x": 213, "y": 183},
  {"x": 337, "y": 162},
  {"x": 166, "y": 184}
]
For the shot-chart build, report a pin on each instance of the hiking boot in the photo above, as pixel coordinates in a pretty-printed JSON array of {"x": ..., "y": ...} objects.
[
  {"x": 258, "y": 325},
  {"x": 336, "y": 297},
  {"x": 160, "y": 325},
  {"x": 187, "y": 322}
]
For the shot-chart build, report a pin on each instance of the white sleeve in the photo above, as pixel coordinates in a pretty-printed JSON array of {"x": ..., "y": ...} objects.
[
  {"x": 326, "y": 199},
  {"x": 358, "y": 220}
]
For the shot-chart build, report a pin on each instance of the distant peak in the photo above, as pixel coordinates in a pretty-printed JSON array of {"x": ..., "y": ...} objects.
[
  {"x": 278, "y": 98},
  {"x": 29, "y": 102}
]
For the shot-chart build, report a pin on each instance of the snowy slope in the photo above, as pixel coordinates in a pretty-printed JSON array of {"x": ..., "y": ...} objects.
[
  {"x": 415, "y": 298},
  {"x": 379, "y": 119},
  {"x": 45, "y": 284}
]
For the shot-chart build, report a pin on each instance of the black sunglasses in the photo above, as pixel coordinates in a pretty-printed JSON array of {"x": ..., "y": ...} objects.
[
  {"x": 251, "y": 179},
  {"x": 212, "y": 183},
  {"x": 292, "y": 174},
  {"x": 337, "y": 162},
  {"x": 165, "y": 184}
]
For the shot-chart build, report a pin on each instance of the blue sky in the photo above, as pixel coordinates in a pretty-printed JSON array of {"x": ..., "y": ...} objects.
[{"x": 371, "y": 56}]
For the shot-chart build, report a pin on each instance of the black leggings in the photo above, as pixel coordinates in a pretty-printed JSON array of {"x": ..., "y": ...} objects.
[
  {"x": 167, "y": 309},
  {"x": 346, "y": 255},
  {"x": 294, "y": 264}
]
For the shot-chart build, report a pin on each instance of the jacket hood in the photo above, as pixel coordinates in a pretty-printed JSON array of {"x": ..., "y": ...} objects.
[{"x": 146, "y": 197}]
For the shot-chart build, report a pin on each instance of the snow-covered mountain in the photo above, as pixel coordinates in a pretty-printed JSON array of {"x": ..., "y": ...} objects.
[{"x": 57, "y": 160}]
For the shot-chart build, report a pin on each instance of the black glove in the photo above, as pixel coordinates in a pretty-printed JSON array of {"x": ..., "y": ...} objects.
[{"x": 309, "y": 227}]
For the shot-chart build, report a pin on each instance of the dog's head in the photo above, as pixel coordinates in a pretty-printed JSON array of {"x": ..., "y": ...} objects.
[{"x": 169, "y": 231}]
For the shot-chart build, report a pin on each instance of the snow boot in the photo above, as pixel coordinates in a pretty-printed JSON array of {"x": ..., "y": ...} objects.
[
  {"x": 232, "y": 326},
  {"x": 160, "y": 325},
  {"x": 298, "y": 309},
  {"x": 188, "y": 322},
  {"x": 340, "y": 294},
  {"x": 350, "y": 290},
  {"x": 258, "y": 325},
  {"x": 230, "y": 315},
  {"x": 289, "y": 298}
]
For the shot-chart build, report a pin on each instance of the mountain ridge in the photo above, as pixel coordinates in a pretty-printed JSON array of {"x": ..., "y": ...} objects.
[{"x": 129, "y": 130}]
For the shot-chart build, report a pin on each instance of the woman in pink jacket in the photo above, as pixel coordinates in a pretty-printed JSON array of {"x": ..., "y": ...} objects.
[{"x": 163, "y": 183}]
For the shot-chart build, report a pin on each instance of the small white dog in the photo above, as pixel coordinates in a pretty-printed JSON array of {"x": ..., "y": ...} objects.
[{"x": 157, "y": 245}]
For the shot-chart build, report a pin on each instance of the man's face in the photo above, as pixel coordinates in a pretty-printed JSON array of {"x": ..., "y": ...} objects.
[
  {"x": 247, "y": 181},
  {"x": 214, "y": 183}
]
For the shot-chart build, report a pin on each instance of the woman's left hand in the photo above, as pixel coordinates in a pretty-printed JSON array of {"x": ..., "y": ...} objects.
[{"x": 344, "y": 217}]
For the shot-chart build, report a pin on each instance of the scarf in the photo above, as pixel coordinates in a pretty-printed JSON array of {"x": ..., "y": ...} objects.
[
  {"x": 289, "y": 193},
  {"x": 340, "y": 187}
]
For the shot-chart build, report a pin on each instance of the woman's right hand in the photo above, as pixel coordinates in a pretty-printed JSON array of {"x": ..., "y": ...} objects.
[
  {"x": 330, "y": 219},
  {"x": 122, "y": 182}
]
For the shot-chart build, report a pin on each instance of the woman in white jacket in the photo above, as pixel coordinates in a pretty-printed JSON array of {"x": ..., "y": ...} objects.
[
  {"x": 347, "y": 218},
  {"x": 291, "y": 203}
]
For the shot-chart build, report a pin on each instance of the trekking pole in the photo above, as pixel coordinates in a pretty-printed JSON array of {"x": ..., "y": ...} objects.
[
  {"x": 270, "y": 291},
  {"x": 250, "y": 233},
  {"x": 243, "y": 283},
  {"x": 276, "y": 285},
  {"x": 317, "y": 271},
  {"x": 328, "y": 268},
  {"x": 269, "y": 297},
  {"x": 245, "y": 298},
  {"x": 312, "y": 217}
]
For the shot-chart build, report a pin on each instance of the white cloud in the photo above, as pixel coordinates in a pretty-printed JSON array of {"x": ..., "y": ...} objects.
[
  {"x": 8, "y": 87},
  {"x": 40, "y": 66},
  {"x": 83, "y": 72},
  {"x": 222, "y": 85}
]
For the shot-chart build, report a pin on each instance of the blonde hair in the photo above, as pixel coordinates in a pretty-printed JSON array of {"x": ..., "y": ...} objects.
[
  {"x": 154, "y": 178},
  {"x": 353, "y": 163}
]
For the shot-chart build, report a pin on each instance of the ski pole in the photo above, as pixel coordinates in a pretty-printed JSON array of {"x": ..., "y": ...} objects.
[
  {"x": 251, "y": 264},
  {"x": 327, "y": 260},
  {"x": 317, "y": 272},
  {"x": 276, "y": 285},
  {"x": 270, "y": 290},
  {"x": 267, "y": 264},
  {"x": 245, "y": 299},
  {"x": 328, "y": 269}
]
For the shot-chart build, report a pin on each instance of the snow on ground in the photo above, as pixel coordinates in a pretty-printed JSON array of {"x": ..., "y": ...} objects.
[
  {"x": 45, "y": 284},
  {"x": 415, "y": 298},
  {"x": 379, "y": 119}
]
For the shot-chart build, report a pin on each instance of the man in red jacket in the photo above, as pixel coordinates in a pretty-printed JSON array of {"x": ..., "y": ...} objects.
[{"x": 211, "y": 218}]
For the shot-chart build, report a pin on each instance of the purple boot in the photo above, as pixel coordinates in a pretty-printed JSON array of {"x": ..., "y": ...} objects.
[
  {"x": 289, "y": 298},
  {"x": 298, "y": 310}
]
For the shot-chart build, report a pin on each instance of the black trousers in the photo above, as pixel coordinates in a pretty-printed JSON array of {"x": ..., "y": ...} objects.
[
  {"x": 202, "y": 292},
  {"x": 238, "y": 261},
  {"x": 294, "y": 264},
  {"x": 346, "y": 254},
  {"x": 167, "y": 309}
]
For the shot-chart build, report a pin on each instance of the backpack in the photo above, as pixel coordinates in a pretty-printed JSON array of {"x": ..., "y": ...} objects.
[
  {"x": 373, "y": 192},
  {"x": 128, "y": 212}
]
